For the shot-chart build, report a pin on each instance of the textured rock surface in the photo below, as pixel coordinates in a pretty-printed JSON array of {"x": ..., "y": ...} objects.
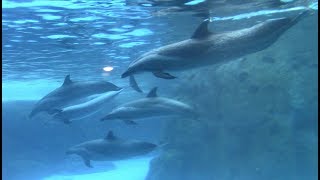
[{"x": 258, "y": 116}]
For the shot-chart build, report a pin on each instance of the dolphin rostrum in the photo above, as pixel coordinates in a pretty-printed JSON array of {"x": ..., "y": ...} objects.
[
  {"x": 207, "y": 48},
  {"x": 70, "y": 92},
  {"x": 111, "y": 148},
  {"x": 86, "y": 109},
  {"x": 150, "y": 106}
]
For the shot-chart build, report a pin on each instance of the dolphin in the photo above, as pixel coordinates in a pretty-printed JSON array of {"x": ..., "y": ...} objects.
[
  {"x": 86, "y": 109},
  {"x": 207, "y": 48},
  {"x": 110, "y": 148},
  {"x": 150, "y": 106},
  {"x": 70, "y": 92}
]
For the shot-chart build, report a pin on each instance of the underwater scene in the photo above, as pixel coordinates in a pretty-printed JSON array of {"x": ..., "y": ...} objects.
[{"x": 159, "y": 89}]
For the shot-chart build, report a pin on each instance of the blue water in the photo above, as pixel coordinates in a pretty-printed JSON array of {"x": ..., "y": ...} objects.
[{"x": 44, "y": 40}]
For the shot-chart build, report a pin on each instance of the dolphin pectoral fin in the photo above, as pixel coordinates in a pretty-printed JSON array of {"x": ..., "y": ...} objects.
[
  {"x": 87, "y": 162},
  {"x": 133, "y": 84},
  {"x": 129, "y": 122},
  {"x": 163, "y": 75}
]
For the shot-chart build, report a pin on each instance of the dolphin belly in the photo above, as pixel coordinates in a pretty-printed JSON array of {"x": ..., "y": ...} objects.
[{"x": 86, "y": 109}]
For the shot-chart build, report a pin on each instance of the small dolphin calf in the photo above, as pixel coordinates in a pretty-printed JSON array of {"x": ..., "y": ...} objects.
[
  {"x": 150, "y": 106},
  {"x": 110, "y": 148},
  {"x": 69, "y": 92},
  {"x": 207, "y": 48},
  {"x": 86, "y": 109}
]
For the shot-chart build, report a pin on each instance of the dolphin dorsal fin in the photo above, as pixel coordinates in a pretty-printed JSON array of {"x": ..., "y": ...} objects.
[
  {"x": 152, "y": 93},
  {"x": 202, "y": 30},
  {"x": 110, "y": 136},
  {"x": 67, "y": 80}
]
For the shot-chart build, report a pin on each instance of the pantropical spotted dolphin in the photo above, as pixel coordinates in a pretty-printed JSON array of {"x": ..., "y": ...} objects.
[
  {"x": 86, "y": 109},
  {"x": 150, "y": 106},
  {"x": 70, "y": 92},
  {"x": 111, "y": 148},
  {"x": 207, "y": 48}
]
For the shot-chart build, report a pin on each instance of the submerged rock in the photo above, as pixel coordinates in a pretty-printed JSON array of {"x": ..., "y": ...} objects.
[{"x": 256, "y": 119}]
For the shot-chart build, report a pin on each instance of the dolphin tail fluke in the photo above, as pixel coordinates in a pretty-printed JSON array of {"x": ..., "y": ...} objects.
[{"x": 134, "y": 84}]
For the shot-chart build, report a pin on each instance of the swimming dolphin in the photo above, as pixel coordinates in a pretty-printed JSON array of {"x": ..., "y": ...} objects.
[
  {"x": 207, "y": 48},
  {"x": 70, "y": 92},
  {"x": 150, "y": 106},
  {"x": 86, "y": 109},
  {"x": 111, "y": 148}
]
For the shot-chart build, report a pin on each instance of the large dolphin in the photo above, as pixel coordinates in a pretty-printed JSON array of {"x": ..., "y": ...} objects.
[
  {"x": 207, "y": 48},
  {"x": 70, "y": 92},
  {"x": 150, "y": 106},
  {"x": 80, "y": 111},
  {"x": 111, "y": 148}
]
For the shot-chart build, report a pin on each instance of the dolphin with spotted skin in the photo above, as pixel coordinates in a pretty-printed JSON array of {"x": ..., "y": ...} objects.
[
  {"x": 207, "y": 48},
  {"x": 69, "y": 93},
  {"x": 88, "y": 108}
]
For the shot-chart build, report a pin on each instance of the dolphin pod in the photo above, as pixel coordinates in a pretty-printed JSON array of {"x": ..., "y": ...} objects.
[
  {"x": 202, "y": 49},
  {"x": 150, "y": 106},
  {"x": 208, "y": 48},
  {"x": 110, "y": 148},
  {"x": 68, "y": 93}
]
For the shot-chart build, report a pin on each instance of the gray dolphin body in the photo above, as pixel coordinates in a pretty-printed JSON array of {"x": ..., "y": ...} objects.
[
  {"x": 207, "y": 48},
  {"x": 110, "y": 148},
  {"x": 70, "y": 92},
  {"x": 150, "y": 106}
]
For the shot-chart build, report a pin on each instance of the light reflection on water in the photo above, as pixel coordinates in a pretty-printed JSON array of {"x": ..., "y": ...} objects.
[{"x": 45, "y": 40}]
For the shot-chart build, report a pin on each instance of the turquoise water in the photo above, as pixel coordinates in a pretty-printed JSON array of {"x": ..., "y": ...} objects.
[{"x": 43, "y": 41}]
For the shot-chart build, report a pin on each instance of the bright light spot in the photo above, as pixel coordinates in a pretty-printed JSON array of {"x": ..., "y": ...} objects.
[{"x": 108, "y": 68}]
